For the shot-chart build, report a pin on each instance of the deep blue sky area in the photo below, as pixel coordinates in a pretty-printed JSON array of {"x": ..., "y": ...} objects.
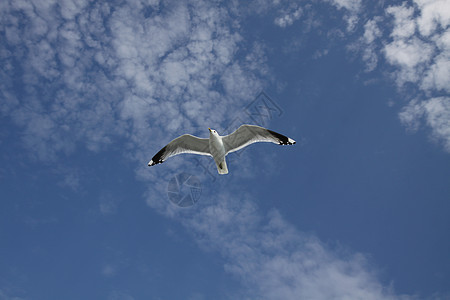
[{"x": 358, "y": 208}]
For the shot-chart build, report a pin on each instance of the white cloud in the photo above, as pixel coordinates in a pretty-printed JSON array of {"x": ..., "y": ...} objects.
[
  {"x": 352, "y": 22},
  {"x": 418, "y": 49},
  {"x": 410, "y": 57},
  {"x": 437, "y": 77},
  {"x": 435, "y": 112},
  {"x": 270, "y": 257},
  {"x": 289, "y": 16},
  {"x": 443, "y": 41},
  {"x": 438, "y": 118},
  {"x": 370, "y": 58},
  {"x": 411, "y": 115},
  {"x": 351, "y": 5},
  {"x": 351, "y": 9},
  {"x": 408, "y": 54},
  {"x": 367, "y": 43},
  {"x": 417, "y": 60},
  {"x": 433, "y": 14},
  {"x": 176, "y": 58},
  {"x": 404, "y": 24}
]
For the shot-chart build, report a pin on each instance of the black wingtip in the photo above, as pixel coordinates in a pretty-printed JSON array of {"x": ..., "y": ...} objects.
[
  {"x": 283, "y": 140},
  {"x": 157, "y": 158},
  {"x": 283, "y": 143},
  {"x": 152, "y": 163}
]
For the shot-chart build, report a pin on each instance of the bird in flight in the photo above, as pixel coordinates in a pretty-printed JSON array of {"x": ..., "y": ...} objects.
[{"x": 219, "y": 146}]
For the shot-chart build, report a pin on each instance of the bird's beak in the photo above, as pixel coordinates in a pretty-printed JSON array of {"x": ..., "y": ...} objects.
[{"x": 209, "y": 129}]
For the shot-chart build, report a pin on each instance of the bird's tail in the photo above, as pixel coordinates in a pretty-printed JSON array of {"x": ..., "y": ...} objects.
[{"x": 222, "y": 167}]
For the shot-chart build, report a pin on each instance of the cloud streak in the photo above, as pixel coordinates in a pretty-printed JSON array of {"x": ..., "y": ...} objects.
[{"x": 270, "y": 257}]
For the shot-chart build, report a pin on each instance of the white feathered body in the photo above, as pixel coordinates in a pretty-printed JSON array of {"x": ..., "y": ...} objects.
[{"x": 217, "y": 150}]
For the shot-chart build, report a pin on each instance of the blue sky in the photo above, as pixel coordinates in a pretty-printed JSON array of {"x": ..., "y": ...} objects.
[{"x": 357, "y": 209}]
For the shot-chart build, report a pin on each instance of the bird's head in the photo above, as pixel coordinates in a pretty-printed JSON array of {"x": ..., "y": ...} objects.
[{"x": 212, "y": 132}]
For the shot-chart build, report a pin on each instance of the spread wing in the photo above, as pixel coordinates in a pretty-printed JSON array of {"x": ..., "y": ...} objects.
[
  {"x": 249, "y": 134},
  {"x": 184, "y": 144}
]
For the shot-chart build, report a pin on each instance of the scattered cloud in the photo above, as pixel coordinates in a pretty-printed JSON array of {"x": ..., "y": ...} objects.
[
  {"x": 437, "y": 77},
  {"x": 289, "y": 15},
  {"x": 371, "y": 33},
  {"x": 434, "y": 15},
  {"x": 416, "y": 45},
  {"x": 404, "y": 24},
  {"x": 350, "y": 5},
  {"x": 270, "y": 257},
  {"x": 407, "y": 51},
  {"x": 436, "y": 114},
  {"x": 409, "y": 56},
  {"x": 351, "y": 9},
  {"x": 100, "y": 72}
]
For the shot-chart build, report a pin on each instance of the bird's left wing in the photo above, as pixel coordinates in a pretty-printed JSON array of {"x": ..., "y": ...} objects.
[
  {"x": 249, "y": 134},
  {"x": 184, "y": 144}
]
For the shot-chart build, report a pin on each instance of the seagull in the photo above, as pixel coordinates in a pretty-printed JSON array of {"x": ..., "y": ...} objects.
[{"x": 219, "y": 146}]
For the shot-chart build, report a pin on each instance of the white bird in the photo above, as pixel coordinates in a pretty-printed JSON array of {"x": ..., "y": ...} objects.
[{"x": 219, "y": 146}]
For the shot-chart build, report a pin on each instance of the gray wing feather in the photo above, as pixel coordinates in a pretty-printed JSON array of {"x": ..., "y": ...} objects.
[
  {"x": 249, "y": 134},
  {"x": 184, "y": 144}
]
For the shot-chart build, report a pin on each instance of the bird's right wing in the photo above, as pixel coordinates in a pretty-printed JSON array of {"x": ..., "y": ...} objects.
[
  {"x": 184, "y": 144},
  {"x": 249, "y": 134}
]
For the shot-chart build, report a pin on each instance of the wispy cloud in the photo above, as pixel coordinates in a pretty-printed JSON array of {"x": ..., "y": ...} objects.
[
  {"x": 271, "y": 258},
  {"x": 289, "y": 15},
  {"x": 108, "y": 203},
  {"x": 435, "y": 112},
  {"x": 351, "y": 9},
  {"x": 109, "y": 270},
  {"x": 288, "y": 12},
  {"x": 371, "y": 33}
]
